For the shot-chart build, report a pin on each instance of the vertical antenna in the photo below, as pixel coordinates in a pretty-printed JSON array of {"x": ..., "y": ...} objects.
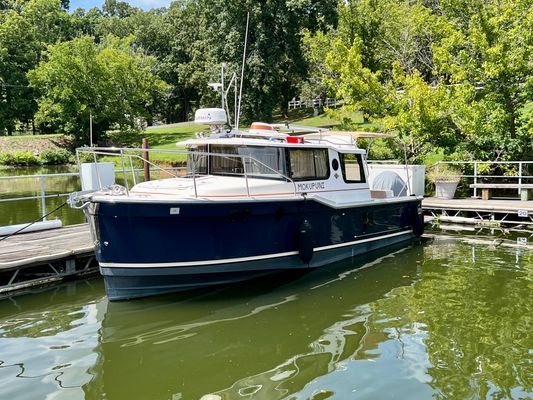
[
  {"x": 222, "y": 83},
  {"x": 235, "y": 102},
  {"x": 242, "y": 71}
]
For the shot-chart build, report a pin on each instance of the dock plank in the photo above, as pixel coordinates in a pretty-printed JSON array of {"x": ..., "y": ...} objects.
[
  {"x": 500, "y": 206},
  {"x": 45, "y": 246}
]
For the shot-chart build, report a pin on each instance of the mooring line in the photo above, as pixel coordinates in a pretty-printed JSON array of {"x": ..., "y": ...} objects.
[{"x": 33, "y": 222}]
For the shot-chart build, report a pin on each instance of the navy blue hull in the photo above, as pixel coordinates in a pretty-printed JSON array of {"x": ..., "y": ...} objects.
[{"x": 144, "y": 250}]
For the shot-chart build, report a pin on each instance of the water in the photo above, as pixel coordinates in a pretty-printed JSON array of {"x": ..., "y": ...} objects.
[
  {"x": 25, "y": 211},
  {"x": 19, "y": 212},
  {"x": 441, "y": 319}
]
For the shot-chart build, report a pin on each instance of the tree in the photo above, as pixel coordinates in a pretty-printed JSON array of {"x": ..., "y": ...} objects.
[
  {"x": 455, "y": 75},
  {"x": 112, "y": 81},
  {"x": 357, "y": 85},
  {"x": 421, "y": 114},
  {"x": 488, "y": 51},
  {"x": 274, "y": 61},
  {"x": 25, "y": 30},
  {"x": 17, "y": 55}
]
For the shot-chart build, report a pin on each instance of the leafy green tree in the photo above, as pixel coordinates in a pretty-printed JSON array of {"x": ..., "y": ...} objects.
[
  {"x": 112, "y": 81},
  {"x": 357, "y": 85},
  {"x": 17, "y": 55},
  {"x": 488, "y": 51},
  {"x": 49, "y": 22},
  {"x": 87, "y": 22},
  {"x": 452, "y": 77},
  {"x": 420, "y": 113},
  {"x": 25, "y": 30}
]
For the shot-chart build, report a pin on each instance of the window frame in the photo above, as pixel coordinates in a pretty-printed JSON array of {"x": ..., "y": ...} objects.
[
  {"x": 359, "y": 158},
  {"x": 308, "y": 178},
  {"x": 211, "y": 163}
]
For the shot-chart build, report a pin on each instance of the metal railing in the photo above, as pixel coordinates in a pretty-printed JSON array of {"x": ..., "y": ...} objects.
[
  {"x": 193, "y": 171},
  {"x": 43, "y": 193},
  {"x": 41, "y": 178},
  {"x": 313, "y": 103},
  {"x": 479, "y": 168}
]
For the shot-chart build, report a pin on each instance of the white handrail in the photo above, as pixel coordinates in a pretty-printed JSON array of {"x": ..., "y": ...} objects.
[
  {"x": 520, "y": 177},
  {"x": 120, "y": 152}
]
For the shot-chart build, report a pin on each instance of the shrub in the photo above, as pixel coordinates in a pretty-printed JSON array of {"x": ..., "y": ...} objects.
[
  {"x": 6, "y": 159},
  {"x": 55, "y": 157},
  {"x": 444, "y": 173},
  {"x": 19, "y": 158}
]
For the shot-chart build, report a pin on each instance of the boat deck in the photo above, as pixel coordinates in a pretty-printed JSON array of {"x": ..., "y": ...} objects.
[{"x": 36, "y": 258}]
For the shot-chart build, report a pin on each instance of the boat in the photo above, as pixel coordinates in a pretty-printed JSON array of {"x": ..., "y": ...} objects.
[{"x": 271, "y": 198}]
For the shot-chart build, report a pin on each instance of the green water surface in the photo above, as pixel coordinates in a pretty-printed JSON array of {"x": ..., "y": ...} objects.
[{"x": 441, "y": 319}]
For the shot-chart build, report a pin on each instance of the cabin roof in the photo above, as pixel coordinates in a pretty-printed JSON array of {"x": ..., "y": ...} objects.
[{"x": 339, "y": 144}]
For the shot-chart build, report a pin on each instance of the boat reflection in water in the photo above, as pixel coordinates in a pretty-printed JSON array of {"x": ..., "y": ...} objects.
[
  {"x": 444, "y": 319},
  {"x": 258, "y": 337}
]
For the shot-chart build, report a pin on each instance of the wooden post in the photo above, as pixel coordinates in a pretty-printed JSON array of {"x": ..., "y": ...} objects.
[{"x": 146, "y": 157}]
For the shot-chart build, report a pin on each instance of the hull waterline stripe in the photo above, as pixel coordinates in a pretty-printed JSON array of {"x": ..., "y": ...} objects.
[{"x": 244, "y": 259}]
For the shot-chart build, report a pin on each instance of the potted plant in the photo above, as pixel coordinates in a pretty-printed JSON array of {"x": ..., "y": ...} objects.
[{"x": 446, "y": 179}]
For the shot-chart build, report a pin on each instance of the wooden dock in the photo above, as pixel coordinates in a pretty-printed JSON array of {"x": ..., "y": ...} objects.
[
  {"x": 511, "y": 212},
  {"x": 38, "y": 258}
]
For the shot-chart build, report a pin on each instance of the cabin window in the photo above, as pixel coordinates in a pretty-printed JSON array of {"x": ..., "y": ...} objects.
[
  {"x": 223, "y": 164},
  {"x": 264, "y": 162},
  {"x": 309, "y": 164},
  {"x": 197, "y": 162},
  {"x": 352, "y": 168},
  {"x": 261, "y": 162}
]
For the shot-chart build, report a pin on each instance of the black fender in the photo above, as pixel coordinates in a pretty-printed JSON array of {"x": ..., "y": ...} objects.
[
  {"x": 305, "y": 242},
  {"x": 418, "y": 221}
]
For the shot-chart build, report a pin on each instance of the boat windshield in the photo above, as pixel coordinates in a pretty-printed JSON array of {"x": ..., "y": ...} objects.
[{"x": 260, "y": 162}]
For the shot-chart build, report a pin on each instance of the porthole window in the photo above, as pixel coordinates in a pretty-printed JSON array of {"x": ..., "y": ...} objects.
[{"x": 335, "y": 164}]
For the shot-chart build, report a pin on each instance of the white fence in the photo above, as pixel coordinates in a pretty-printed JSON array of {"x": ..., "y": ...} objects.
[{"x": 313, "y": 103}]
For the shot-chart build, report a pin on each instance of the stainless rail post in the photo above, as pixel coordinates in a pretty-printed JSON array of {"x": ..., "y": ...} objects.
[
  {"x": 520, "y": 177},
  {"x": 475, "y": 178},
  {"x": 194, "y": 177},
  {"x": 97, "y": 171},
  {"x": 133, "y": 173},
  {"x": 146, "y": 160},
  {"x": 43, "y": 200},
  {"x": 245, "y": 174},
  {"x": 124, "y": 173}
]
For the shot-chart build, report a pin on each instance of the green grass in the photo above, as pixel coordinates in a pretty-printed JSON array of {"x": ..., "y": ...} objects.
[
  {"x": 160, "y": 138},
  {"x": 320, "y": 121},
  {"x": 49, "y": 136},
  {"x": 336, "y": 119},
  {"x": 166, "y": 138}
]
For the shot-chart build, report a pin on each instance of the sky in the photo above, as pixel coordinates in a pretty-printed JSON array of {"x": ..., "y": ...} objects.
[{"x": 144, "y": 4}]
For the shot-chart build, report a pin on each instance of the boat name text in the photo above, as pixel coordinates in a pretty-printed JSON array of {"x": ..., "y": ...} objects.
[{"x": 307, "y": 187}]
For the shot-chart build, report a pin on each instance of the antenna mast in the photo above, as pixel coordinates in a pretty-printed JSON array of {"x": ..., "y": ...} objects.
[{"x": 242, "y": 71}]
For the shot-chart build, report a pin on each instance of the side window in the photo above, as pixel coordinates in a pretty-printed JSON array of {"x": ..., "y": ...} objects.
[
  {"x": 225, "y": 165},
  {"x": 309, "y": 164},
  {"x": 352, "y": 168},
  {"x": 197, "y": 162}
]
